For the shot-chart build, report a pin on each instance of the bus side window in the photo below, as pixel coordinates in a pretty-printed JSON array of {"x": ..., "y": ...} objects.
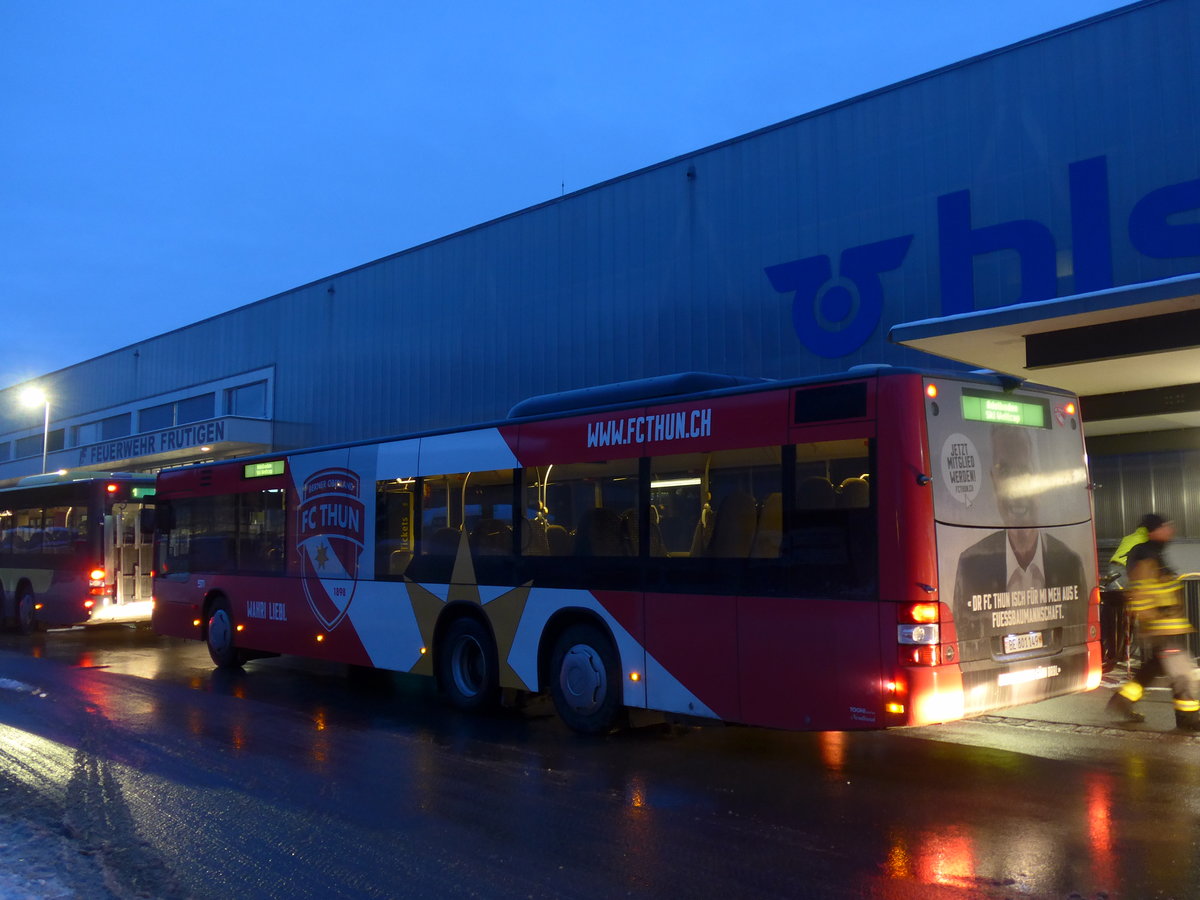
[
  {"x": 395, "y": 523},
  {"x": 261, "y": 532},
  {"x": 831, "y": 537},
  {"x": 475, "y": 507},
  {"x": 27, "y": 531},
  {"x": 203, "y": 536},
  {"x": 725, "y": 505},
  {"x": 590, "y": 505}
]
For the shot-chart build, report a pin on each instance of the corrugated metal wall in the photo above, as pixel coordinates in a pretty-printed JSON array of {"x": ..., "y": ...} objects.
[
  {"x": 663, "y": 270},
  {"x": 1130, "y": 485}
]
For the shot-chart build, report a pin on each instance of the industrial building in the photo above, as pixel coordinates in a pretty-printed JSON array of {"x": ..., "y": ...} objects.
[{"x": 1035, "y": 210}]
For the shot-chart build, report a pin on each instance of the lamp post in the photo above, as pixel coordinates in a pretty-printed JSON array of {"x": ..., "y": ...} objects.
[{"x": 35, "y": 396}]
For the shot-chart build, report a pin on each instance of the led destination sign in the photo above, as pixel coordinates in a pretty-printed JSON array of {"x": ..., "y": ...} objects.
[
  {"x": 263, "y": 469},
  {"x": 981, "y": 406}
]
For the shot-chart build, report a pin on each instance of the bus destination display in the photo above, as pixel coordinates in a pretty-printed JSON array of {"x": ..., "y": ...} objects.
[{"x": 979, "y": 406}]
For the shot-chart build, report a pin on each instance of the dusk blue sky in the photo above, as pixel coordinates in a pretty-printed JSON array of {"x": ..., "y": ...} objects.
[{"x": 165, "y": 162}]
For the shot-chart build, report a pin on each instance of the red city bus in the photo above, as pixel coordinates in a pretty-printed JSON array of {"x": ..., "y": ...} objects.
[
  {"x": 72, "y": 550},
  {"x": 888, "y": 547}
]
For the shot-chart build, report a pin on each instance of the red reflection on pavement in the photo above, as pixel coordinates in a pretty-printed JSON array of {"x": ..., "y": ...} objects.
[
  {"x": 833, "y": 751},
  {"x": 1100, "y": 826},
  {"x": 944, "y": 857}
]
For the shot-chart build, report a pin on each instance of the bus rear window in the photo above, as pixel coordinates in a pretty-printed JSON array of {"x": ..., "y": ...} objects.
[{"x": 831, "y": 403}]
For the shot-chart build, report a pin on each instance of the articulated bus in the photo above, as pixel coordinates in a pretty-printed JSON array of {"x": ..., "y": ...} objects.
[
  {"x": 72, "y": 550},
  {"x": 889, "y": 547}
]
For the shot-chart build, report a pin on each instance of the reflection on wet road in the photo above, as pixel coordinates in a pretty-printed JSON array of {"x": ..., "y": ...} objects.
[{"x": 294, "y": 780}]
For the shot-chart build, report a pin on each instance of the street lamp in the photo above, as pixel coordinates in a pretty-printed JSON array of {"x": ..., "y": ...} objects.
[{"x": 35, "y": 396}]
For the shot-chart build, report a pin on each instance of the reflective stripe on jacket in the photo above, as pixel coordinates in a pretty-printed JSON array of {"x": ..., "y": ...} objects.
[{"x": 1159, "y": 605}]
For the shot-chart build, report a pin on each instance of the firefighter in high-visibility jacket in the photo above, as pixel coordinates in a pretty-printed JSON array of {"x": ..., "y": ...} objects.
[{"x": 1155, "y": 597}]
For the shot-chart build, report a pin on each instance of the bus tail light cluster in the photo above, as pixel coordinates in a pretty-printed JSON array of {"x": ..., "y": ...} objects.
[
  {"x": 1095, "y": 662},
  {"x": 919, "y": 634},
  {"x": 895, "y": 696},
  {"x": 97, "y": 582}
]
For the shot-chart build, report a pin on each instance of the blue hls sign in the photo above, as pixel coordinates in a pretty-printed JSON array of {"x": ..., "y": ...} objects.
[{"x": 835, "y": 314}]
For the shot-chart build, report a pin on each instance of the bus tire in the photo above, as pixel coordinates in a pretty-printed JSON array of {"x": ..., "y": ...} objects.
[
  {"x": 25, "y": 619},
  {"x": 218, "y": 634},
  {"x": 468, "y": 670},
  {"x": 585, "y": 680}
]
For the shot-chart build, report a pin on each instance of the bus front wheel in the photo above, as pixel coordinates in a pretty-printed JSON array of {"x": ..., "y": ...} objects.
[
  {"x": 219, "y": 636},
  {"x": 467, "y": 667},
  {"x": 586, "y": 683}
]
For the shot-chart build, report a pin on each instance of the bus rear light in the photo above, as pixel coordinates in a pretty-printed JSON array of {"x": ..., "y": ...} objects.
[
  {"x": 920, "y": 613},
  {"x": 926, "y": 655},
  {"x": 931, "y": 391},
  {"x": 195, "y": 623},
  {"x": 111, "y": 488},
  {"x": 37, "y": 605},
  {"x": 918, "y": 634},
  {"x": 894, "y": 690},
  {"x": 88, "y": 604},
  {"x": 240, "y": 628},
  {"x": 96, "y": 577}
]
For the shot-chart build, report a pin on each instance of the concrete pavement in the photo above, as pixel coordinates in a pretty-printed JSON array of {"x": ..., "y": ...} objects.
[{"x": 1086, "y": 713}]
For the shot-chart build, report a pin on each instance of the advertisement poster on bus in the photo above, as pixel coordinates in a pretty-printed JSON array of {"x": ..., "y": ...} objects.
[{"x": 1015, "y": 551}]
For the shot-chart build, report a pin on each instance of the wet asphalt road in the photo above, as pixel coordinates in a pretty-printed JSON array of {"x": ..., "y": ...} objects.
[{"x": 153, "y": 776}]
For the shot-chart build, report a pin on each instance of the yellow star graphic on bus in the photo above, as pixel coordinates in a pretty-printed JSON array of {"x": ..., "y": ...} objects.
[{"x": 503, "y": 612}]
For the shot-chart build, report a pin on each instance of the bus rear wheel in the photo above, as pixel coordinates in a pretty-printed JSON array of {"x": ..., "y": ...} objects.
[
  {"x": 219, "y": 636},
  {"x": 468, "y": 671},
  {"x": 26, "y": 621},
  {"x": 585, "y": 681}
]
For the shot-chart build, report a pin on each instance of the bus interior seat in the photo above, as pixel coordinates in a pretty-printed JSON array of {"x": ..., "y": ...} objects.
[
  {"x": 734, "y": 527},
  {"x": 398, "y": 561},
  {"x": 491, "y": 537},
  {"x": 702, "y": 536},
  {"x": 629, "y": 525},
  {"x": 854, "y": 493},
  {"x": 534, "y": 540},
  {"x": 600, "y": 534},
  {"x": 815, "y": 492},
  {"x": 558, "y": 541},
  {"x": 770, "y": 528},
  {"x": 443, "y": 542}
]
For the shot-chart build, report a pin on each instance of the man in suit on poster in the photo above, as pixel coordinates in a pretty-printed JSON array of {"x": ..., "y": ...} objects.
[{"x": 1019, "y": 557}]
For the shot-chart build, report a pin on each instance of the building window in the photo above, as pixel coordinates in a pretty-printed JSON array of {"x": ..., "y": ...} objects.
[
  {"x": 5, "y": 450},
  {"x": 116, "y": 426},
  {"x": 152, "y": 418},
  {"x": 248, "y": 400},
  {"x": 29, "y": 446},
  {"x": 32, "y": 445},
  {"x": 195, "y": 409},
  {"x": 91, "y": 433}
]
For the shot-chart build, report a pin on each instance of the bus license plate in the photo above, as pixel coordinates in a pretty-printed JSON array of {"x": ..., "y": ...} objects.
[{"x": 1015, "y": 643}]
